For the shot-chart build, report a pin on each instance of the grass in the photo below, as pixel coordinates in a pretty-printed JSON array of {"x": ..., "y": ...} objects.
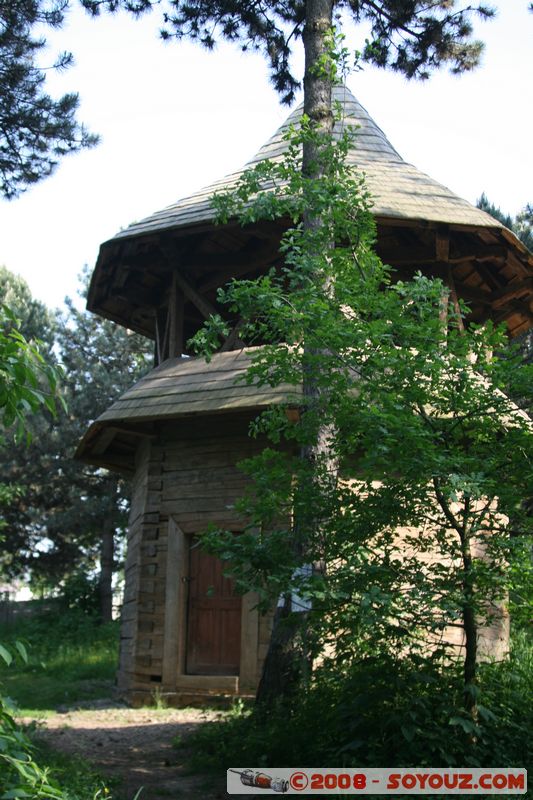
[
  {"x": 78, "y": 779},
  {"x": 71, "y": 659}
]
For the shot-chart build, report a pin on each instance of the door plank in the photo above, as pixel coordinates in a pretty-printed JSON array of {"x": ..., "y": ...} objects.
[{"x": 214, "y": 619}]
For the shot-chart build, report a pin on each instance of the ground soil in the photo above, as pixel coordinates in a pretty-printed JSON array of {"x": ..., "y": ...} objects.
[{"x": 135, "y": 745}]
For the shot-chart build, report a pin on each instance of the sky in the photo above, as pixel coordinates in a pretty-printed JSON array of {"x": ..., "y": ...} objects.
[{"x": 173, "y": 118}]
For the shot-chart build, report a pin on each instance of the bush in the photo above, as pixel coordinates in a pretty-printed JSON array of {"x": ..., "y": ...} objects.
[
  {"x": 79, "y": 781},
  {"x": 80, "y": 592},
  {"x": 31, "y": 772},
  {"x": 20, "y": 775},
  {"x": 385, "y": 713},
  {"x": 53, "y": 635}
]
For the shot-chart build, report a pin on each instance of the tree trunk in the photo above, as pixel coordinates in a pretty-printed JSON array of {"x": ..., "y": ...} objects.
[
  {"x": 107, "y": 553},
  {"x": 282, "y": 666},
  {"x": 469, "y": 623},
  {"x": 286, "y": 661}
]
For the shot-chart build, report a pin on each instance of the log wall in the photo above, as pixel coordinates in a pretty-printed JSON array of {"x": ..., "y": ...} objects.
[{"x": 187, "y": 473}]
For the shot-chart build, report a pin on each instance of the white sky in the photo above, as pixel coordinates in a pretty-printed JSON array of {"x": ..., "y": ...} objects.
[{"x": 173, "y": 117}]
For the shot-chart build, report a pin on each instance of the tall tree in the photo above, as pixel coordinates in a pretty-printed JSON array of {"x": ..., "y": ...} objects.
[
  {"x": 35, "y": 129},
  {"x": 100, "y": 360},
  {"x": 426, "y": 527},
  {"x": 36, "y": 321},
  {"x": 27, "y": 384},
  {"x": 413, "y": 38},
  {"x": 286, "y": 661},
  {"x": 66, "y": 516}
]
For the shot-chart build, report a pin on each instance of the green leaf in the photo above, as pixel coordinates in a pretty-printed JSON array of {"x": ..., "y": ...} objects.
[
  {"x": 486, "y": 714},
  {"x": 22, "y": 651},
  {"x": 408, "y": 732},
  {"x": 466, "y": 724},
  {"x": 6, "y": 655}
]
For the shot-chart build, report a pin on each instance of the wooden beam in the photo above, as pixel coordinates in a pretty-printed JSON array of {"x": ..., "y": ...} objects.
[
  {"x": 114, "y": 465},
  {"x": 473, "y": 293},
  {"x": 232, "y": 341},
  {"x": 403, "y": 256},
  {"x": 484, "y": 253},
  {"x": 136, "y": 294},
  {"x": 175, "y": 605},
  {"x": 442, "y": 245},
  {"x": 212, "y": 261},
  {"x": 162, "y": 325},
  {"x": 104, "y": 440},
  {"x": 512, "y": 291},
  {"x": 226, "y": 275},
  {"x": 130, "y": 431},
  {"x": 158, "y": 355},
  {"x": 501, "y": 297},
  {"x": 515, "y": 307},
  {"x": 455, "y": 300},
  {"x": 442, "y": 253},
  {"x": 175, "y": 316},
  {"x": 443, "y": 312},
  {"x": 203, "y": 305},
  {"x": 491, "y": 277}
]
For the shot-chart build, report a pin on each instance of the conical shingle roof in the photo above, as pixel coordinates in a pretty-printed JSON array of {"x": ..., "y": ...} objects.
[
  {"x": 415, "y": 214},
  {"x": 399, "y": 189}
]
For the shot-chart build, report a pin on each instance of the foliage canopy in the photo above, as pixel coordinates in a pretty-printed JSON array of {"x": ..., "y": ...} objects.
[
  {"x": 55, "y": 520},
  {"x": 35, "y": 129},
  {"x": 413, "y": 38}
]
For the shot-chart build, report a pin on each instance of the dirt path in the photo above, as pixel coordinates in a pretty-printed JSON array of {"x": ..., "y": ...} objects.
[{"x": 136, "y": 746}]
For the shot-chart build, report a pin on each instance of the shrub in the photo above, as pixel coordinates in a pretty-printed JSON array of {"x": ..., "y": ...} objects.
[
  {"x": 384, "y": 712},
  {"x": 20, "y": 775},
  {"x": 80, "y": 592}
]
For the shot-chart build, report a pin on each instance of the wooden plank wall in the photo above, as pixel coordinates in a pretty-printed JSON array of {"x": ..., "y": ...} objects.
[
  {"x": 130, "y": 608},
  {"x": 188, "y": 471}
]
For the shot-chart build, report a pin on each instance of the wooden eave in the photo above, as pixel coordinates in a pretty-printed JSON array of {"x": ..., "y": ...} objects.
[
  {"x": 113, "y": 444},
  {"x": 132, "y": 277},
  {"x": 492, "y": 269},
  {"x": 178, "y": 388},
  {"x": 133, "y": 274}
]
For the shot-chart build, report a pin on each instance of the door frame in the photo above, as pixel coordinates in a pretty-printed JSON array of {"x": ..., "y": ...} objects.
[{"x": 175, "y": 627}]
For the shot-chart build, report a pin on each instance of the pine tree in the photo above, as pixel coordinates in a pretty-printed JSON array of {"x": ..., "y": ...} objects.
[
  {"x": 66, "y": 517},
  {"x": 35, "y": 129},
  {"x": 521, "y": 225},
  {"x": 413, "y": 38}
]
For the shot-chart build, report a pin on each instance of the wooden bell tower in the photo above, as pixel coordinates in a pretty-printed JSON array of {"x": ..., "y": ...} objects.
[{"x": 181, "y": 431}]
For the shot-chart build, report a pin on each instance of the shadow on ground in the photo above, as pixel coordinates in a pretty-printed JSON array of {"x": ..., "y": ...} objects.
[{"x": 135, "y": 745}]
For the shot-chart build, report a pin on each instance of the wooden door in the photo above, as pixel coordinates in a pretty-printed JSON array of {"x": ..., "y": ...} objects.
[{"x": 214, "y": 618}]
